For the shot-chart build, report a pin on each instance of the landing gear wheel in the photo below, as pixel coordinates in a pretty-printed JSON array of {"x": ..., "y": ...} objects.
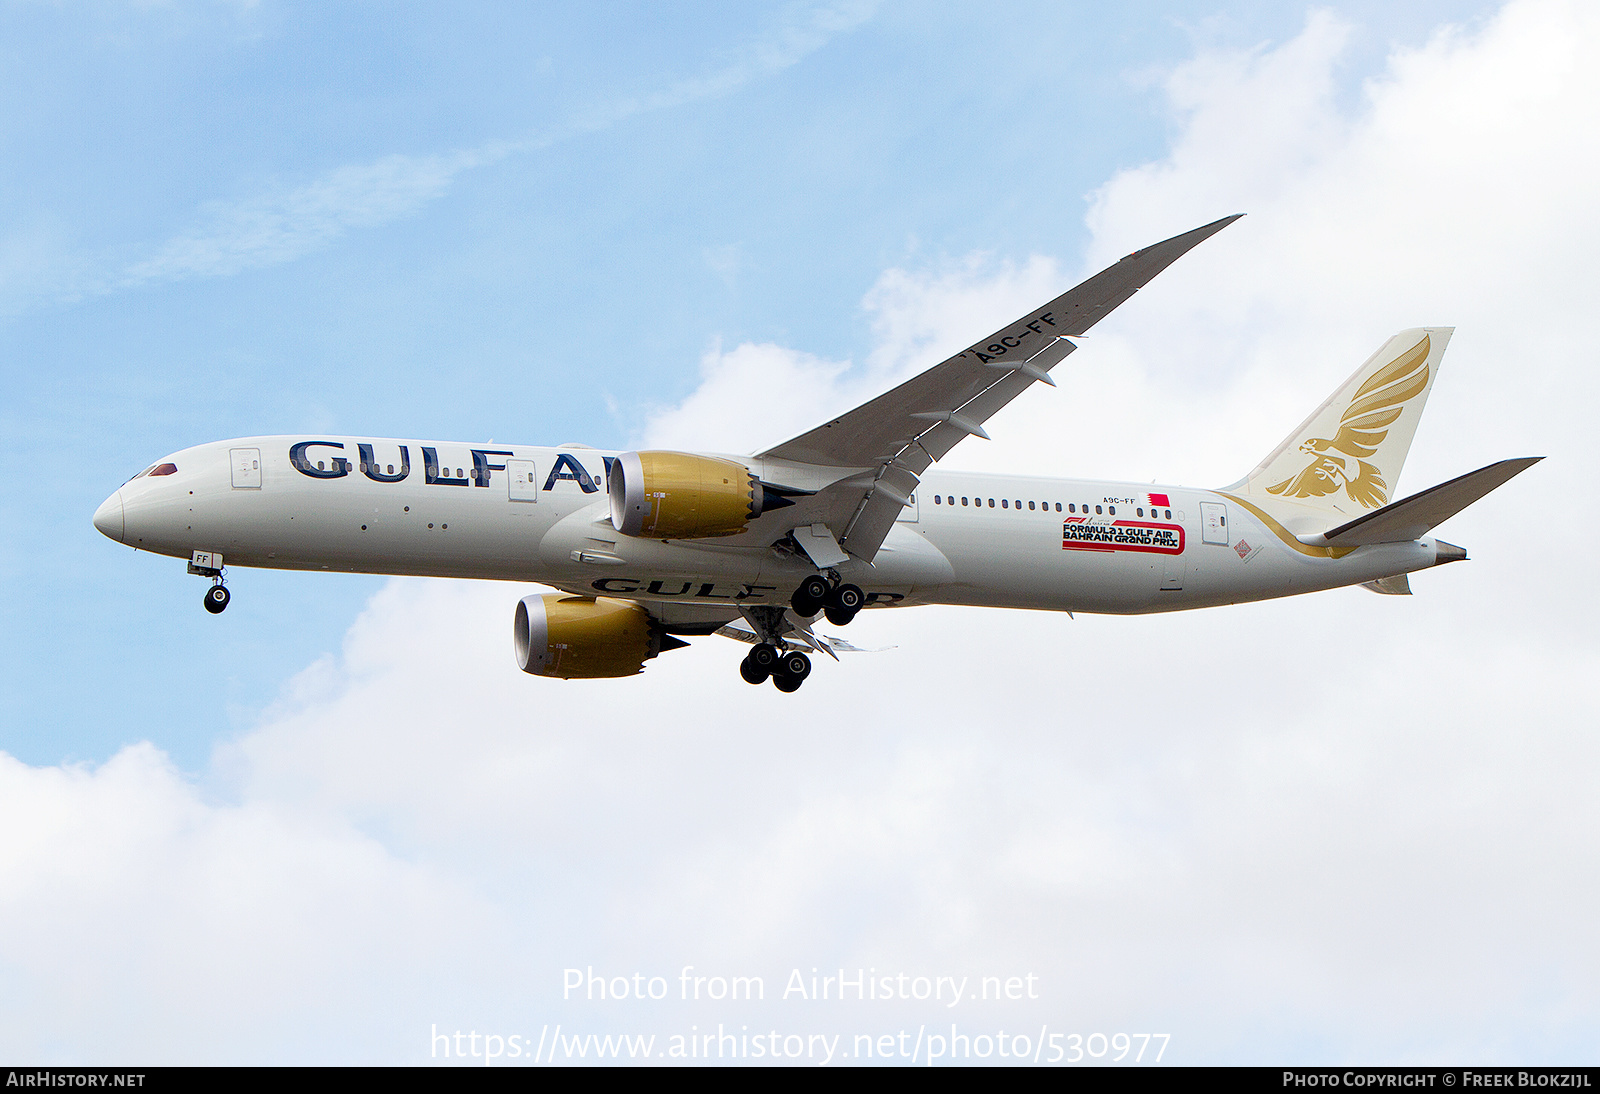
[
  {"x": 764, "y": 658},
  {"x": 843, "y": 604},
  {"x": 798, "y": 666},
  {"x": 809, "y": 598},
  {"x": 752, "y": 673},
  {"x": 786, "y": 683},
  {"x": 848, "y": 598},
  {"x": 217, "y": 598}
]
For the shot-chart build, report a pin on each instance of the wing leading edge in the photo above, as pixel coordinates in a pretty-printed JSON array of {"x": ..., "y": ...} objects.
[{"x": 897, "y": 436}]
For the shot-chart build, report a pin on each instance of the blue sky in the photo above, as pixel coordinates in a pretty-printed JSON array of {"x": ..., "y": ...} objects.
[
  {"x": 551, "y": 225},
  {"x": 481, "y": 221}
]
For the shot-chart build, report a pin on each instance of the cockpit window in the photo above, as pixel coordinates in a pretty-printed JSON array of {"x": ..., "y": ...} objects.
[{"x": 157, "y": 469}]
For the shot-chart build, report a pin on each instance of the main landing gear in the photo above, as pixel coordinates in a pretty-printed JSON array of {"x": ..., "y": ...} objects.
[
  {"x": 788, "y": 669},
  {"x": 839, "y": 603},
  {"x": 767, "y": 658}
]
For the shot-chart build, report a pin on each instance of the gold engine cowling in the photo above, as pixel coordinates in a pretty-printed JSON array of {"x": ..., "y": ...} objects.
[
  {"x": 579, "y": 638},
  {"x": 676, "y": 495}
]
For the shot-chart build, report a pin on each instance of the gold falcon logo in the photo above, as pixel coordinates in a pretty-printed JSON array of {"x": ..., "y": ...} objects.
[{"x": 1341, "y": 463}]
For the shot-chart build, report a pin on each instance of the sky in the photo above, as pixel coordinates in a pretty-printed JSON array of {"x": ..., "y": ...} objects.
[{"x": 334, "y": 823}]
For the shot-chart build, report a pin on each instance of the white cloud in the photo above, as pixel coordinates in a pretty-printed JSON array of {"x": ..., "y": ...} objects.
[
  {"x": 786, "y": 45},
  {"x": 1333, "y": 828},
  {"x": 281, "y": 227},
  {"x": 143, "y": 922},
  {"x": 755, "y": 396}
]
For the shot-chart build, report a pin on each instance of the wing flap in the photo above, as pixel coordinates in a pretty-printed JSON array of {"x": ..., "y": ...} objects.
[{"x": 869, "y": 525}]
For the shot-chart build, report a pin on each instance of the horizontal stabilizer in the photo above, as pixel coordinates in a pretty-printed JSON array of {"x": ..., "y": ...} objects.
[
  {"x": 1397, "y": 585},
  {"x": 1417, "y": 515}
]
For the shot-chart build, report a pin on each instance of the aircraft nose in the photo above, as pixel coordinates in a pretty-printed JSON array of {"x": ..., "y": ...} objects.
[{"x": 108, "y": 518}]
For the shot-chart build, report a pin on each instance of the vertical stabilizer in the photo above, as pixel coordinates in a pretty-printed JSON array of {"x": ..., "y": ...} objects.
[{"x": 1346, "y": 458}]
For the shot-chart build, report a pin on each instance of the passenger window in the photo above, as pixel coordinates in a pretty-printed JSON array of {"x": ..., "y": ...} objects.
[
  {"x": 1098, "y": 510},
  {"x": 1030, "y": 507},
  {"x": 1169, "y": 514},
  {"x": 937, "y": 499},
  {"x": 1005, "y": 504},
  {"x": 991, "y": 503},
  {"x": 391, "y": 469},
  {"x": 1140, "y": 512},
  {"x": 1058, "y": 507},
  {"x": 319, "y": 466},
  {"x": 1072, "y": 508},
  {"x": 1113, "y": 510},
  {"x": 963, "y": 501}
]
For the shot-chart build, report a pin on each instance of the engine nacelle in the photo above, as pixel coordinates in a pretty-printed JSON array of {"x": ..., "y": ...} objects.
[
  {"x": 579, "y": 638},
  {"x": 676, "y": 495}
]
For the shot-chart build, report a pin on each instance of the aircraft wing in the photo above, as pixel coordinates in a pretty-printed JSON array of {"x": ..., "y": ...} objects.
[{"x": 897, "y": 436}]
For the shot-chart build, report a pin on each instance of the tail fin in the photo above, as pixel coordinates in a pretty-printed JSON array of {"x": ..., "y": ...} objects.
[{"x": 1345, "y": 459}]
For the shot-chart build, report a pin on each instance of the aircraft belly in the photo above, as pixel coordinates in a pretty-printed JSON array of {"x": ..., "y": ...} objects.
[
  {"x": 1261, "y": 564},
  {"x": 1027, "y": 568},
  {"x": 354, "y": 525}
]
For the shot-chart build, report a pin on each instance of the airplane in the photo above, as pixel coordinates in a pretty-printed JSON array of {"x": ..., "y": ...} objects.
[{"x": 649, "y": 548}]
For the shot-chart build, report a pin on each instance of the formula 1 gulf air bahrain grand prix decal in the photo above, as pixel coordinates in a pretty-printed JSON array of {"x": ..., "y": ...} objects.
[{"x": 1083, "y": 533}]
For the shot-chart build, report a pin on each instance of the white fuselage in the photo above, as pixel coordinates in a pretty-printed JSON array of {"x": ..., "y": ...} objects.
[{"x": 454, "y": 510}]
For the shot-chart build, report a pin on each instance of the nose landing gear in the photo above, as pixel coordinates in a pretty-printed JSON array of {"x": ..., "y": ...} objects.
[{"x": 209, "y": 564}]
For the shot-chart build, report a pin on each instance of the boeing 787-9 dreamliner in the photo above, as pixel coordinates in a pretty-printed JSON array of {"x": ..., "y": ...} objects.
[{"x": 650, "y": 547}]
